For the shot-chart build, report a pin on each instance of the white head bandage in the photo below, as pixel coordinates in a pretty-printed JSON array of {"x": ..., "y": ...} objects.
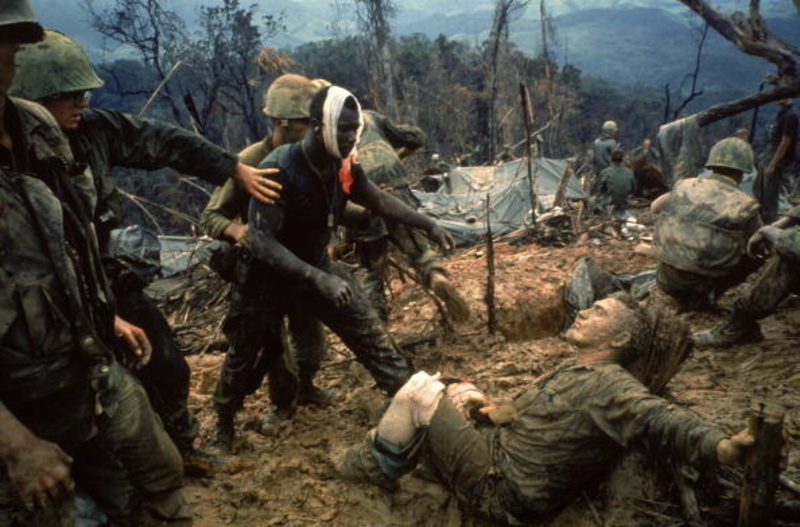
[{"x": 331, "y": 111}]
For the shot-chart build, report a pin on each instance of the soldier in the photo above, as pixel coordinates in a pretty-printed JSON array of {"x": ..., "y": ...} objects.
[
  {"x": 616, "y": 184},
  {"x": 775, "y": 160},
  {"x": 773, "y": 284},
  {"x": 554, "y": 439},
  {"x": 602, "y": 148},
  {"x": 286, "y": 103},
  {"x": 701, "y": 233},
  {"x": 57, "y": 73},
  {"x": 63, "y": 396},
  {"x": 289, "y": 240},
  {"x": 381, "y": 149}
]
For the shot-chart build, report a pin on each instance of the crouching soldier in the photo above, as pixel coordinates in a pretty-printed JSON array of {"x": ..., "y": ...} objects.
[{"x": 556, "y": 437}]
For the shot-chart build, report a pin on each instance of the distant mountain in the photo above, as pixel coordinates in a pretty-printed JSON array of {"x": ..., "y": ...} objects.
[{"x": 650, "y": 42}]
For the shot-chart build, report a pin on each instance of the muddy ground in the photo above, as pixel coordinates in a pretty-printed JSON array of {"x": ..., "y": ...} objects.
[{"x": 290, "y": 478}]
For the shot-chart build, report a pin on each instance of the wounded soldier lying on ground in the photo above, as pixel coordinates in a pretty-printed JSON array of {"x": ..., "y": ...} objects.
[{"x": 553, "y": 440}]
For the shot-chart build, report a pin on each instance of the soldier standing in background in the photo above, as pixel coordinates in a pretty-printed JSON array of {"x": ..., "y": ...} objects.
[
  {"x": 602, "y": 148},
  {"x": 775, "y": 160}
]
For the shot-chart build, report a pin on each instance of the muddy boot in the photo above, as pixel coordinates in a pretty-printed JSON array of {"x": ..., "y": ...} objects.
[
  {"x": 455, "y": 304},
  {"x": 359, "y": 465},
  {"x": 729, "y": 333},
  {"x": 198, "y": 464},
  {"x": 277, "y": 419},
  {"x": 311, "y": 395},
  {"x": 222, "y": 444}
]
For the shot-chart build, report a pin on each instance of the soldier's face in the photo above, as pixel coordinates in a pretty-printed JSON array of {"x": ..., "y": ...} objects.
[
  {"x": 67, "y": 108},
  {"x": 598, "y": 325},
  {"x": 347, "y": 130},
  {"x": 7, "y": 66}
]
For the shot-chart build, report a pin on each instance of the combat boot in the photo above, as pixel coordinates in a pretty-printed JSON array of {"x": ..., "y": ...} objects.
[
  {"x": 359, "y": 465},
  {"x": 728, "y": 333},
  {"x": 223, "y": 435},
  {"x": 311, "y": 395},
  {"x": 277, "y": 419},
  {"x": 455, "y": 304}
]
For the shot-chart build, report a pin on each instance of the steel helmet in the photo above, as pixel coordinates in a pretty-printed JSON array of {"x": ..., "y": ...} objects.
[
  {"x": 18, "y": 23},
  {"x": 289, "y": 97},
  {"x": 55, "y": 65},
  {"x": 321, "y": 83},
  {"x": 731, "y": 152},
  {"x": 609, "y": 127}
]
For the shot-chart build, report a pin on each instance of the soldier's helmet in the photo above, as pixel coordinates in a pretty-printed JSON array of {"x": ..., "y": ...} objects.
[
  {"x": 55, "y": 65},
  {"x": 609, "y": 127},
  {"x": 289, "y": 97},
  {"x": 731, "y": 152},
  {"x": 18, "y": 23}
]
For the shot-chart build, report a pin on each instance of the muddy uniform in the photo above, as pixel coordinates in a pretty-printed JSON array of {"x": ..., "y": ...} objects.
[
  {"x": 305, "y": 338},
  {"x": 767, "y": 190},
  {"x": 777, "y": 279},
  {"x": 700, "y": 239},
  {"x": 56, "y": 374},
  {"x": 103, "y": 140},
  {"x": 309, "y": 213},
  {"x": 377, "y": 153},
  {"x": 566, "y": 432}
]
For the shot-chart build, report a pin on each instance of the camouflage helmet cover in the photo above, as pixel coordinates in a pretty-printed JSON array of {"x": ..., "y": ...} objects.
[
  {"x": 609, "y": 126},
  {"x": 321, "y": 83},
  {"x": 18, "y": 23},
  {"x": 289, "y": 97},
  {"x": 731, "y": 152},
  {"x": 55, "y": 65}
]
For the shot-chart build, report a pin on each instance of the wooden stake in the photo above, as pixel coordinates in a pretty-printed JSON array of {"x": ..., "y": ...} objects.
[
  {"x": 762, "y": 468},
  {"x": 562, "y": 185},
  {"x": 527, "y": 113},
  {"x": 489, "y": 296}
]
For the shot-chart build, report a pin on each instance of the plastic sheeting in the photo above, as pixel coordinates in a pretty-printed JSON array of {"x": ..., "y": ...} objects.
[
  {"x": 678, "y": 145},
  {"x": 179, "y": 253},
  {"x": 460, "y": 203}
]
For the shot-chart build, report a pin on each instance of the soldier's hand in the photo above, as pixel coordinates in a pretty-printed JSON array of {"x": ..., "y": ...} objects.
[
  {"x": 731, "y": 451},
  {"x": 257, "y": 183},
  {"x": 467, "y": 398},
  {"x": 238, "y": 233},
  {"x": 39, "y": 472},
  {"x": 442, "y": 238},
  {"x": 760, "y": 244},
  {"x": 137, "y": 342},
  {"x": 334, "y": 289}
]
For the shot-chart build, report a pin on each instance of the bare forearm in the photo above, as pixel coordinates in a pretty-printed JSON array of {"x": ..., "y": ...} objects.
[{"x": 13, "y": 434}]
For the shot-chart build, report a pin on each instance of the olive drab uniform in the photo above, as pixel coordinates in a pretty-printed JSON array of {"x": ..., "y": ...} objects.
[
  {"x": 377, "y": 152},
  {"x": 767, "y": 190},
  {"x": 602, "y": 148},
  {"x": 57, "y": 373},
  {"x": 701, "y": 237},
  {"x": 615, "y": 185},
  {"x": 565, "y": 432}
]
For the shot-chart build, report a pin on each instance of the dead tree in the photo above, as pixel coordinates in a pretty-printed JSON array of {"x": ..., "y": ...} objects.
[
  {"x": 374, "y": 16},
  {"x": 750, "y": 34},
  {"x": 694, "y": 92}
]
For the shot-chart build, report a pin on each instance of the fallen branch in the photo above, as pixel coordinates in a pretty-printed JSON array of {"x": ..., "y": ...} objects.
[
  {"x": 490, "y": 271},
  {"x": 447, "y": 325}
]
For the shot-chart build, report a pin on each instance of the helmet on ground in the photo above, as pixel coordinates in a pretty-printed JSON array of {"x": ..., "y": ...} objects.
[
  {"x": 55, "y": 65},
  {"x": 609, "y": 127},
  {"x": 289, "y": 97},
  {"x": 731, "y": 152},
  {"x": 18, "y": 23}
]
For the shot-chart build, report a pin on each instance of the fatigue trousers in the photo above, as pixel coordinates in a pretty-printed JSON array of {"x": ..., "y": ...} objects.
[
  {"x": 166, "y": 376},
  {"x": 147, "y": 489},
  {"x": 255, "y": 324},
  {"x": 776, "y": 280},
  {"x": 694, "y": 291}
]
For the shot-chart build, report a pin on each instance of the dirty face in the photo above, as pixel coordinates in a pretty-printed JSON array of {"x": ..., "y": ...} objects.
[
  {"x": 67, "y": 108},
  {"x": 347, "y": 130},
  {"x": 7, "y": 66},
  {"x": 599, "y": 325}
]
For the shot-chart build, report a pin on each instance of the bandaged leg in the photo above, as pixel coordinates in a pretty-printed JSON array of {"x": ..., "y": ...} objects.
[{"x": 411, "y": 408}]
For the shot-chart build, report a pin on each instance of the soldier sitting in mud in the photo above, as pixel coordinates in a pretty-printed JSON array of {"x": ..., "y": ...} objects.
[
  {"x": 774, "y": 283},
  {"x": 554, "y": 439},
  {"x": 701, "y": 234}
]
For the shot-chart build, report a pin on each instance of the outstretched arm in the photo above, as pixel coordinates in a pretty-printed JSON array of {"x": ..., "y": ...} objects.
[
  {"x": 265, "y": 222},
  {"x": 370, "y": 196}
]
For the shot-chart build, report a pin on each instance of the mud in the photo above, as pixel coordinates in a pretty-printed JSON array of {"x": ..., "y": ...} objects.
[{"x": 290, "y": 478}]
